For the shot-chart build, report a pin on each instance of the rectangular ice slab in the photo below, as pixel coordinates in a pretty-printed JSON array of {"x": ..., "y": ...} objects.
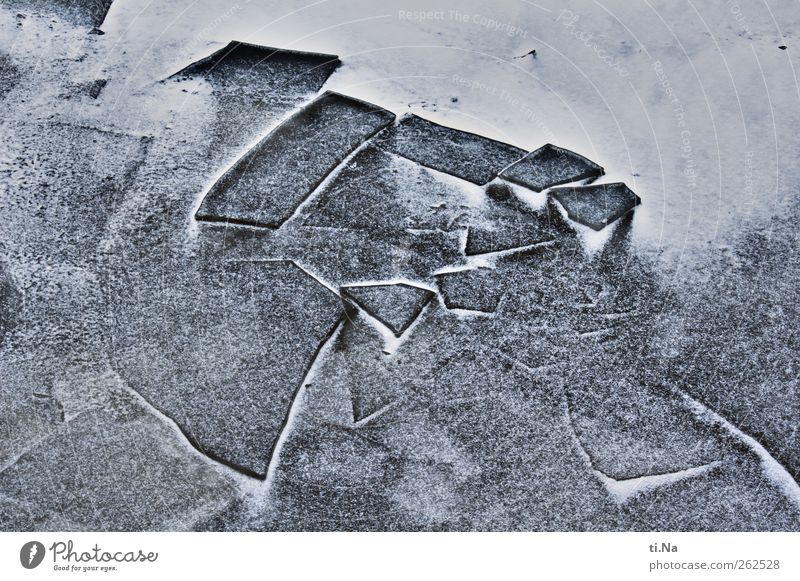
[
  {"x": 551, "y": 166},
  {"x": 597, "y": 206},
  {"x": 243, "y": 68},
  {"x": 266, "y": 185},
  {"x": 465, "y": 155},
  {"x": 77, "y": 12}
]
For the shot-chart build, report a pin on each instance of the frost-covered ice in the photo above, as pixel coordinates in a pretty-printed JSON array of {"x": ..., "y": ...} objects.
[{"x": 284, "y": 266}]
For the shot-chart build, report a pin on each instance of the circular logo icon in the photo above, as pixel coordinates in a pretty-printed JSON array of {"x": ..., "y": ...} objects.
[{"x": 31, "y": 554}]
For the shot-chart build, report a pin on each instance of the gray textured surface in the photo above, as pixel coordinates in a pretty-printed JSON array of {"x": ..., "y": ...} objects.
[
  {"x": 9, "y": 75},
  {"x": 80, "y": 12},
  {"x": 254, "y": 88},
  {"x": 163, "y": 373},
  {"x": 381, "y": 192},
  {"x": 510, "y": 224},
  {"x": 109, "y": 464},
  {"x": 9, "y": 303},
  {"x": 464, "y": 155},
  {"x": 228, "y": 378},
  {"x": 241, "y": 67}
]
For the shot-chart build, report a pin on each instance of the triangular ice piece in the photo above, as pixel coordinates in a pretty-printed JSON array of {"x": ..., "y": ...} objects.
[{"x": 394, "y": 305}]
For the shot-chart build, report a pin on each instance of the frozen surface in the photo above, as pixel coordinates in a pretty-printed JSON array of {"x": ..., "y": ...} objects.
[
  {"x": 509, "y": 224},
  {"x": 229, "y": 378},
  {"x": 429, "y": 333}
]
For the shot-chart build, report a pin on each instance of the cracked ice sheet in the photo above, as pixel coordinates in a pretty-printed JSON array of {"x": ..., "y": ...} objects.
[
  {"x": 394, "y": 305},
  {"x": 383, "y": 192},
  {"x": 631, "y": 430},
  {"x": 419, "y": 465},
  {"x": 162, "y": 213},
  {"x": 585, "y": 126},
  {"x": 376, "y": 200},
  {"x": 422, "y": 460},
  {"x": 248, "y": 333},
  {"x": 267, "y": 185},
  {"x": 109, "y": 463}
]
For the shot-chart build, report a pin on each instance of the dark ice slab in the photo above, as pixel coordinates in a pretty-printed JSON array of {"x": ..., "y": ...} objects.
[
  {"x": 551, "y": 166},
  {"x": 9, "y": 304},
  {"x": 9, "y": 75},
  {"x": 253, "y": 88},
  {"x": 458, "y": 153},
  {"x": 597, "y": 206},
  {"x": 479, "y": 289},
  {"x": 394, "y": 305},
  {"x": 244, "y": 67},
  {"x": 96, "y": 87},
  {"x": 270, "y": 181},
  {"x": 241, "y": 357},
  {"x": 508, "y": 237},
  {"x": 631, "y": 430},
  {"x": 79, "y": 12}
]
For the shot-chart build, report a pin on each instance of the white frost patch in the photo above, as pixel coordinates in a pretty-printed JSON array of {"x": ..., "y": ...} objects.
[
  {"x": 474, "y": 196},
  {"x": 598, "y": 334},
  {"x": 488, "y": 259},
  {"x": 624, "y": 490},
  {"x": 591, "y": 240},
  {"x": 375, "y": 415},
  {"x": 387, "y": 281},
  {"x": 451, "y": 269},
  {"x": 466, "y": 314},
  {"x": 391, "y": 342},
  {"x": 535, "y": 200}
]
